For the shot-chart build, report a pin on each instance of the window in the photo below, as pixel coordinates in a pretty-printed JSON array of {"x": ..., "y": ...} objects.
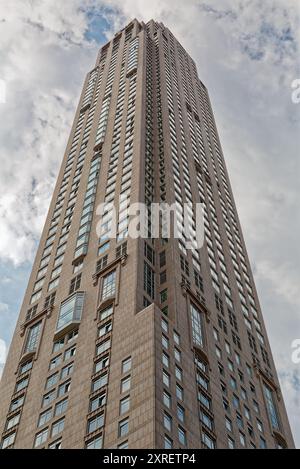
[
  {"x": 75, "y": 284},
  {"x": 231, "y": 443},
  {"x": 103, "y": 330},
  {"x": 182, "y": 436},
  {"x": 165, "y": 326},
  {"x": 70, "y": 353},
  {"x": 8, "y": 440},
  {"x": 262, "y": 443},
  {"x": 51, "y": 381},
  {"x": 208, "y": 441},
  {"x": 162, "y": 259},
  {"x": 106, "y": 313},
  {"x": 49, "y": 301},
  {"x": 125, "y": 384},
  {"x": 109, "y": 285},
  {"x": 168, "y": 443},
  {"x": 167, "y": 399},
  {"x": 58, "y": 345},
  {"x": 33, "y": 337},
  {"x": 41, "y": 438},
  {"x": 12, "y": 422},
  {"x": 25, "y": 367},
  {"x": 55, "y": 362},
  {"x": 58, "y": 427},
  {"x": 167, "y": 422},
  {"x": 21, "y": 384},
  {"x": 165, "y": 342},
  {"x": 16, "y": 403},
  {"x": 103, "y": 346},
  {"x": 126, "y": 365},
  {"x": 95, "y": 423},
  {"x": 102, "y": 364},
  {"x": 166, "y": 379},
  {"x": 242, "y": 439},
  {"x": 123, "y": 445},
  {"x": 228, "y": 425},
  {"x": 61, "y": 407},
  {"x": 101, "y": 263},
  {"x": 163, "y": 295},
  {"x": 197, "y": 327},
  {"x": 66, "y": 371},
  {"x": 45, "y": 417},
  {"x": 180, "y": 413},
  {"x": 121, "y": 250},
  {"x": 124, "y": 405},
  {"x": 97, "y": 402},
  {"x": 178, "y": 373},
  {"x": 99, "y": 382},
  {"x": 70, "y": 310},
  {"x": 95, "y": 443},
  {"x": 179, "y": 392},
  {"x": 103, "y": 248},
  {"x": 149, "y": 279},
  {"x": 55, "y": 445},
  {"x": 176, "y": 338},
  {"x": 260, "y": 426},
  {"x": 63, "y": 389},
  {"x": 177, "y": 355},
  {"x": 123, "y": 428},
  {"x": 271, "y": 406}
]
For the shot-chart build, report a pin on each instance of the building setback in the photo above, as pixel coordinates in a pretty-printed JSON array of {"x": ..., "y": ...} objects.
[{"x": 141, "y": 343}]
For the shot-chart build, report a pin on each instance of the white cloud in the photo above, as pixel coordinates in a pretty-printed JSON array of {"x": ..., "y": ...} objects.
[
  {"x": 247, "y": 54},
  {"x": 3, "y": 351}
]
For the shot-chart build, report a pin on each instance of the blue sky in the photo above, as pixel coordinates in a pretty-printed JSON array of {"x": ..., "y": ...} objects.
[{"x": 247, "y": 53}]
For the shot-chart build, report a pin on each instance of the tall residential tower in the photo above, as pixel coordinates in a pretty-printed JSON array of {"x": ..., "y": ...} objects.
[{"x": 141, "y": 343}]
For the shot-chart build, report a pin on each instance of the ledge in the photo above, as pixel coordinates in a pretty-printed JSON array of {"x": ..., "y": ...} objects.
[
  {"x": 45, "y": 312},
  {"x": 120, "y": 260}
]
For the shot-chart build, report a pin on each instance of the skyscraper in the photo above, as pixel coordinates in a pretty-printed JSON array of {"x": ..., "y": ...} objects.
[{"x": 129, "y": 342}]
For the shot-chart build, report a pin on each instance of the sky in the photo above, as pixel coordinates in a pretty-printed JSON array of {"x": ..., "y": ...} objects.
[{"x": 247, "y": 53}]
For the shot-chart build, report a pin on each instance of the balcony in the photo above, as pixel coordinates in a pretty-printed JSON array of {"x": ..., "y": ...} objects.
[{"x": 70, "y": 314}]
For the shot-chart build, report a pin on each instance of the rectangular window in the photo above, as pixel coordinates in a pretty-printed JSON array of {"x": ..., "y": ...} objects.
[
  {"x": 41, "y": 438},
  {"x": 33, "y": 337},
  {"x": 95, "y": 443},
  {"x": 126, "y": 365},
  {"x": 58, "y": 427},
  {"x": 51, "y": 381},
  {"x": 100, "y": 382},
  {"x": 167, "y": 422},
  {"x": 149, "y": 277},
  {"x": 123, "y": 428},
  {"x": 109, "y": 285},
  {"x": 197, "y": 326},
  {"x": 125, "y": 384},
  {"x": 97, "y": 402},
  {"x": 106, "y": 313},
  {"x": 8, "y": 440},
  {"x": 12, "y": 422},
  {"x": 45, "y": 417},
  {"x": 182, "y": 436},
  {"x": 168, "y": 443},
  {"x": 272, "y": 408},
  {"x": 21, "y": 384},
  {"x": 124, "y": 405},
  {"x": 63, "y": 389},
  {"x": 16, "y": 403},
  {"x": 95, "y": 423},
  {"x": 61, "y": 407}
]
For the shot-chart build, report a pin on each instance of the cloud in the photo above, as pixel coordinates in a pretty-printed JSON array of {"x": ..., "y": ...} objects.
[
  {"x": 247, "y": 54},
  {"x": 3, "y": 351}
]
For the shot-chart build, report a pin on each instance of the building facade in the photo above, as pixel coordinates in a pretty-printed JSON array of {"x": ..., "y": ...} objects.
[{"x": 141, "y": 343}]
